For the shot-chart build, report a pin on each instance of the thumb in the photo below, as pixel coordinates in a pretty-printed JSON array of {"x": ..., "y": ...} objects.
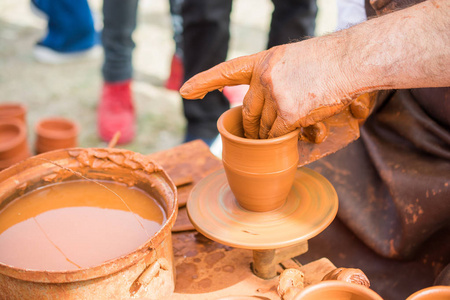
[{"x": 234, "y": 72}]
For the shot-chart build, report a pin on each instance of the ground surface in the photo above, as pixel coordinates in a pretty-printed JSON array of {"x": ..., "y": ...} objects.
[{"x": 72, "y": 90}]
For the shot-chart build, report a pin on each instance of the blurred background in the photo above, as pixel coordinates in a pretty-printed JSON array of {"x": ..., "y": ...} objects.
[{"x": 72, "y": 90}]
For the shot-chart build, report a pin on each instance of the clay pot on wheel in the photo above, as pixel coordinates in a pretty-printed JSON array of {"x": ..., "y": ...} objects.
[
  {"x": 337, "y": 290},
  {"x": 55, "y": 133},
  {"x": 260, "y": 172},
  {"x": 439, "y": 292},
  {"x": 12, "y": 111},
  {"x": 13, "y": 142}
]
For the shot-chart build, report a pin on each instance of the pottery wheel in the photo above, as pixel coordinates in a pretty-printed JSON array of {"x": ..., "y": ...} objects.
[{"x": 309, "y": 208}]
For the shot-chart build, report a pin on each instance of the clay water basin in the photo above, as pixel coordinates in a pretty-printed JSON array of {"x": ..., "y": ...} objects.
[{"x": 100, "y": 223}]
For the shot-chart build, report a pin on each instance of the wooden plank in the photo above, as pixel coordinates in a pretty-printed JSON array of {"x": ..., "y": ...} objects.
[
  {"x": 191, "y": 160},
  {"x": 187, "y": 164},
  {"x": 209, "y": 270}
]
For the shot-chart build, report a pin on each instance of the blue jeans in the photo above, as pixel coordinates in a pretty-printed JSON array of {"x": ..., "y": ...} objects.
[{"x": 70, "y": 25}]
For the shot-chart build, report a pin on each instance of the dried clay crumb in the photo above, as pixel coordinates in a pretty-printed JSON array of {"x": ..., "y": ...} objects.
[
  {"x": 349, "y": 275},
  {"x": 291, "y": 282}
]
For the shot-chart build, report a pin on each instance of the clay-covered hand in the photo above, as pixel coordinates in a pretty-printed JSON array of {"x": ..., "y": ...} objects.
[
  {"x": 360, "y": 109},
  {"x": 315, "y": 133},
  {"x": 291, "y": 86},
  {"x": 363, "y": 106},
  {"x": 387, "y": 6}
]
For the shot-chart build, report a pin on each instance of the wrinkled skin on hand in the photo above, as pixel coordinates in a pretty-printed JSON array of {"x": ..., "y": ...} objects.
[{"x": 287, "y": 90}]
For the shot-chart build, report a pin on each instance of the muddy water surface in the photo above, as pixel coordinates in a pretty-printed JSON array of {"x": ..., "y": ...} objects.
[{"x": 78, "y": 224}]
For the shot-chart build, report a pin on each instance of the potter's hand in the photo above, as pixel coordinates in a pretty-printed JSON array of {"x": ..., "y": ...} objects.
[
  {"x": 300, "y": 84},
  {"x": 382, "y": 7},
  {"x": 359, "y": 109},
  {"x": 287, "y": 90}
]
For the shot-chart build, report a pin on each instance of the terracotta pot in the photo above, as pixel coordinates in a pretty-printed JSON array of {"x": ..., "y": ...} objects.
[
  {"x": 337, "y": 290},
  {"x": 13, "y": 142},
  {"x": 55, "y": 133},
  {"x": 13, "y": 111},
  {"x": 260, "y": 172},
  {"x": 439, "y": 292},
  {"x": 147, "y": 272}
]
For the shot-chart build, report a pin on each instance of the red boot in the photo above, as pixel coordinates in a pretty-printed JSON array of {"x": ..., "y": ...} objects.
[
  {"x": 116, "y": 112},
  {"x": 175, "y": 79}
]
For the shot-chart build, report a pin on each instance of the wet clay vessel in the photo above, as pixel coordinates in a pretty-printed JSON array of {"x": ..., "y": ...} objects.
[
  {"x": 261, "y": 172},
  {"x": 13, "y": 111},
  {"x": 260, "y": 200},
  {"x": 439, "y": 292},
  {"x": 337, "y": 290},
  {"x": 13, "y": 142},
  {"x": 310, "y": 207},
  {"x": 55, "y": 133},
  {"x": 147, "y": 272}
]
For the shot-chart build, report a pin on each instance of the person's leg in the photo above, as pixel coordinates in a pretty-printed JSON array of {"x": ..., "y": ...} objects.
[
  {"x": 119, "y": 19},
  {"x": 177, "y": 24},
  {"x": 70, "y": 31},
  {"x": 206, "y": 35},
  {"x": 176, "y": 76},
  {"x": 115, "y": 110},
  {"x": 292, "y": 20}
]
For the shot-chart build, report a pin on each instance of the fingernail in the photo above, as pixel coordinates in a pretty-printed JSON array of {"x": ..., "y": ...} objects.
[{"x": 186, "y": 89}]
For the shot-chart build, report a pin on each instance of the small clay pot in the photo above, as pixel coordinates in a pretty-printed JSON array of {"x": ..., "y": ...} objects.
[
  {"x": 13, "y": 142},
  {"x": 260, "y": 172},
  {"x": 13, "y": 111},
  {"x": 438, "y": 292},
  {"x": 55, "y": 133},
  {"x": 337, "y": 290}
]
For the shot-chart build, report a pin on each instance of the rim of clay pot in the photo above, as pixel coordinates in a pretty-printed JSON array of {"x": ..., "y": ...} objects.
[
  {"x": 241, "y": 140},
  {"x": 57, "y": 128},
  {"x": 433, "y": 292},
  {"x": 13, "y": 110},
  {"x": 19, "y": 131},
  {"x": 315, "y": 291},
  {"x": 41, "y": 148},
  {"x": 33, "y": 167}
]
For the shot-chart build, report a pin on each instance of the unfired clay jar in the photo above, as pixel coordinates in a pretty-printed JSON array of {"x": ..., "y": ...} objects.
[
  {"x": 13, "y": 142},
  {"x": 13, "y": 111},
  {"x": 55, "y": 133},
  {"x": 439, "y": 292},
  {"x": 260, "y": 172},
  {"x": 337, "y": 290}
]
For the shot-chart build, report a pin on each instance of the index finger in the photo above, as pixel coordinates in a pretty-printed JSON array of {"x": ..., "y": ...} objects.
[{"x": 234, "y": 72}]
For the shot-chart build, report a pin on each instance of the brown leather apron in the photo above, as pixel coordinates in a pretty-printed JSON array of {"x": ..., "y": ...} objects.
[{"x": 394, "y": 193}]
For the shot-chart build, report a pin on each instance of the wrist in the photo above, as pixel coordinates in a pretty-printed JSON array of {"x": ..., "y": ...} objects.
[{"x": 343, "y": 74}]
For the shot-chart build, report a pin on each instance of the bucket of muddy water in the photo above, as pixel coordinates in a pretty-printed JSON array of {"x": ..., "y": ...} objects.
[{"x": 86, "y": 224}]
